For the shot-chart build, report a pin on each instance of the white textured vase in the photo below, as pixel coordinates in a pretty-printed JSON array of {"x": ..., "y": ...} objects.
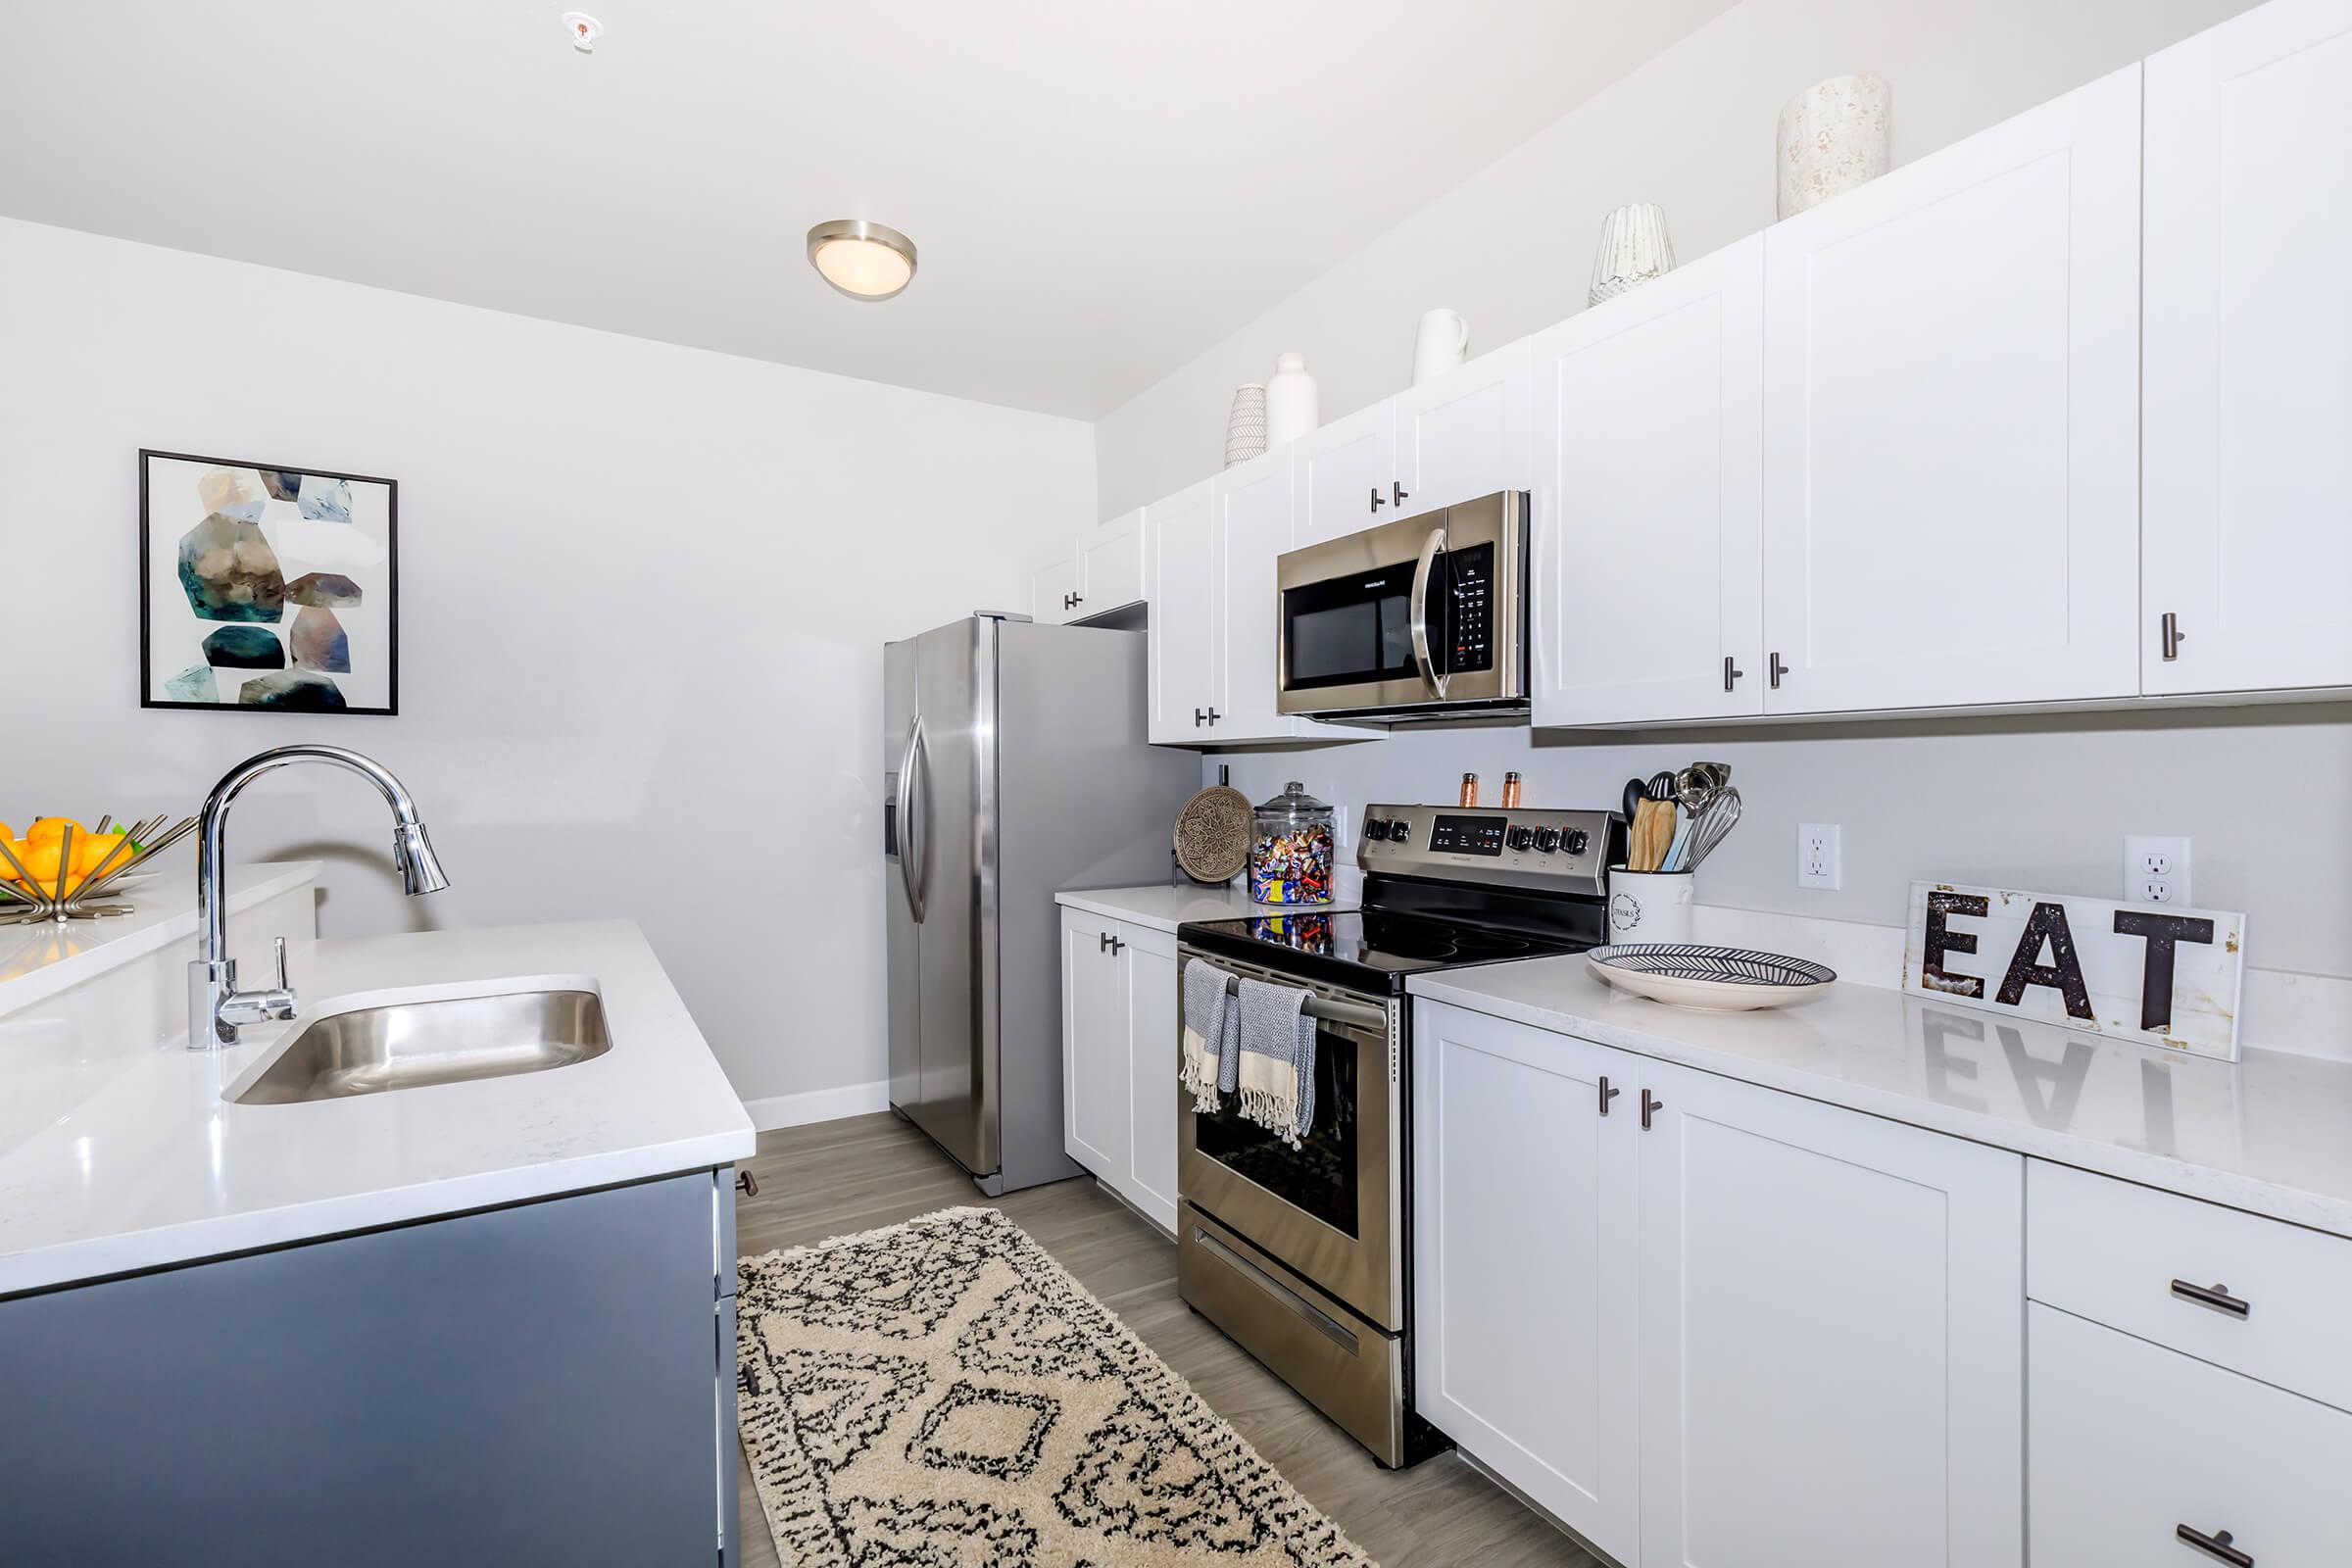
[
  {"x": 1634, "y": 249},
  {"x": 1292, "y": 409},
  {"x": 1245, "y": 426},
  {"x": 1833, "y": 137}
]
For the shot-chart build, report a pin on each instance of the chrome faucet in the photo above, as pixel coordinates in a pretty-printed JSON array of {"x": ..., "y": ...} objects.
[{"x": 217, "y": 1008}]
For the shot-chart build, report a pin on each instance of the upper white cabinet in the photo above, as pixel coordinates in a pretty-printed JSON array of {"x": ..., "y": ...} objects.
[
  {"x": 1251, "y": 510},
  {"x": 1463, "y": 436},
  {"x": 1110, "y": 564},
  {"x": 1054, "y": 586},
  {"x": 1523, "y": 1193},
  {"x": 1845, "y": 1292},
  {"x": 1180, "y": 569},
  {"x": 1346, "y": 476},
  {"x": 1951, "y": 394},
  {"x": 1648, "y": 413},
  {"x": 2247, "y": 505}
]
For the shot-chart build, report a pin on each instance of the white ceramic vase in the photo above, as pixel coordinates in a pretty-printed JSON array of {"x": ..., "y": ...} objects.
[
  {"x": 1833, "y": 137},
  {"x": 1291, "y": 409},
  {"x": 1634, "y": 249},
  {"x": 1245, "y": 426},
  {"x": 1439, "y": 345}
]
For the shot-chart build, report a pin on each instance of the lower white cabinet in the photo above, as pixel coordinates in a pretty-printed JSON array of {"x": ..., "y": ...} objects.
[
  {"x": 2145, "y": 1456},
  {"x": 1704, "y": 1322},
  {"x": 1118, "y": 1057}
]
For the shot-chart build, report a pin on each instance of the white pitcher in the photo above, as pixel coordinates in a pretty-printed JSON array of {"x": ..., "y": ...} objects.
[
  {"x": 1441, "y": 345},
  {"x": 1292, "y": 407}
]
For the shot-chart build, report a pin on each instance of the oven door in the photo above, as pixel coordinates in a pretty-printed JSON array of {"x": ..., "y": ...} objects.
[
  {"x": 1330, "y": 1209},
  {"x": 1418, "y": 615}
]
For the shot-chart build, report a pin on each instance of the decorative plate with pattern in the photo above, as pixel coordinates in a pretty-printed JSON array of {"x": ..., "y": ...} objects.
[
  {"x": 1690, "y": 974},
  {"x": 1212, "y": 834}
]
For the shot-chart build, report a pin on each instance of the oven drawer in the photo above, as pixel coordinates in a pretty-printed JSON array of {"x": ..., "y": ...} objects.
[
  {"x": 1349, "y": 1369},
  {"x": 2254, "y": 1295}
]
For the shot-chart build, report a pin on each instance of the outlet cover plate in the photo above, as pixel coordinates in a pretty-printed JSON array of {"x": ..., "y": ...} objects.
[
  {"x": 2155, "y": 869},
  {"x": 1819, "y": 858}
]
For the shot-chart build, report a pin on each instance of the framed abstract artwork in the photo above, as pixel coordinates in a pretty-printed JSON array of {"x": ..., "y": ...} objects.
[{"x": 266, "y": 587}]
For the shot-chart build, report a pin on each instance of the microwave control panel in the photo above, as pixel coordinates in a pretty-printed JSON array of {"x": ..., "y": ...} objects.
[{"x": 1470, "y": 617}]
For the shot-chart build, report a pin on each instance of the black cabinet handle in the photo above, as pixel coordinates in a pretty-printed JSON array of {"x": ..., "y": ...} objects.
[
  {"x": 2216, "y": 1297},
  {"x": 2215, "y": 1545},
  {"x": 1778, "y": 670},
  {"x": 1213, "y": 717},
  {"x": 2173, "y": 635},
  {"x": 1731, "y": 672},
  {"x": 1376, "y": 500},
  {"x": 1400, "y": 492},
  {"x": 1118, "y": 945},
  {"x": 746, "y": 1184},
  {"x": 1607, "y": 1094},
  {"x": 1200, "y": 717},
  {"x": 1650, "y": 1106}
]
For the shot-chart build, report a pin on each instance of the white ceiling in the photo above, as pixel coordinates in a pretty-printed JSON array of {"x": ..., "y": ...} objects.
[{"x": 1100, "y": 189}]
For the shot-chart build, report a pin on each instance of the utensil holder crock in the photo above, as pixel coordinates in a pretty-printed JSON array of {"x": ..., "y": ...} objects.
[{"x": 1649, "y": 905}]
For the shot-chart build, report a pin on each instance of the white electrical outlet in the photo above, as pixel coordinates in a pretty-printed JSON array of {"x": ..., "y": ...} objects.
[
  {"x": 2155, "y": 869},
  {"x": 1817, "y": 856}
]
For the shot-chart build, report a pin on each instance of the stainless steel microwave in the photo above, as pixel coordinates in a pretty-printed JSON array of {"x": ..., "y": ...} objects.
[{"x": 1425, "y": 617}]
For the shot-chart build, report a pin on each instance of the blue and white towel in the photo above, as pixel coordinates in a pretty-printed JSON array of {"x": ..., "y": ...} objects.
[
  {"x": 1277, "y": 1068},
  {"x": 1210, "y": 1054}
]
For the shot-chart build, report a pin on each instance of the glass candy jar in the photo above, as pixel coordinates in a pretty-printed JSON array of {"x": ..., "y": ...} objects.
[{"x": 1290, "y": 851}]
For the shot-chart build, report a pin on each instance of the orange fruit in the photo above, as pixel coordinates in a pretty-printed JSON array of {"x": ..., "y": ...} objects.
[
  {"x": 19, "y": 848},
  {"x": 42, "y": 857},
  {"x": 49, "y": 829},
  {"x": 91, "y": 848},
  {"x": 7, "y": 833}
]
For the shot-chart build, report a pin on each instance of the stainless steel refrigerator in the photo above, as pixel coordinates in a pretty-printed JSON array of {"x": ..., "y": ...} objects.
[{"x": 1014, "y": 765}]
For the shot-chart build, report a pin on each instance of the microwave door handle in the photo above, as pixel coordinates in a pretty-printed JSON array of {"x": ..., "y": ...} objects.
[
  {"x": 1419, "y": 603},
  {"x": 914, "y": 845}
]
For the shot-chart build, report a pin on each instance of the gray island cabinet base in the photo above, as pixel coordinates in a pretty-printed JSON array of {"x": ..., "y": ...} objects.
[{"x": 549, "y": 1383}]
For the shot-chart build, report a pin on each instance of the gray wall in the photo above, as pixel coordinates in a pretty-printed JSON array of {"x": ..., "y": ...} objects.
[{"x": 2042, "y": 801}]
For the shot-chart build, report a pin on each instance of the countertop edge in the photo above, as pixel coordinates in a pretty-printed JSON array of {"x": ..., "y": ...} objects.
[
  {"x": 1124, "y": 904},
  {"x": 2268, "y": 1200}
]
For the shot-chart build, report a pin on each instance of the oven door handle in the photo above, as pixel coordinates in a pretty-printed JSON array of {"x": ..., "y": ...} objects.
[
  {"x": 1332, "y": 1009},
  {"x": 1419, "y": 618}
]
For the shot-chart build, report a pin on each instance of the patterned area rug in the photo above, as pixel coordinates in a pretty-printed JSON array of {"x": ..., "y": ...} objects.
[{"x": 942, "y": 1392}]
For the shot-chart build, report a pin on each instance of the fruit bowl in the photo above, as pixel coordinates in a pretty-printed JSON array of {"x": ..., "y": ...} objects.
[{"x": 61, "y": 870}]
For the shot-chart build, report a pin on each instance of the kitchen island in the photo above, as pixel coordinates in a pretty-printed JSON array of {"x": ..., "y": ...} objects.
[{"x": 480, "y": 1320}]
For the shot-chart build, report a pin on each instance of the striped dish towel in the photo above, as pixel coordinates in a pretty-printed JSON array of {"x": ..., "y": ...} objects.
[
  {"x": 1212, "y": 1034},
  {"x": 1277, "y": 1069}
]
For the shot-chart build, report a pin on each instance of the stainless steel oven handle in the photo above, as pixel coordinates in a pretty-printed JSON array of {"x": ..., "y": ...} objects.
[
  {"x": 1331, "y": 1009},
  {"x": 914, "y": 847},
  {"x": 1419, "y": 603}
]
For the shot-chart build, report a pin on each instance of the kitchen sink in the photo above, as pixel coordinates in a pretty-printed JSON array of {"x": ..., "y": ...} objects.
[{"x": 407, "y": 1045}]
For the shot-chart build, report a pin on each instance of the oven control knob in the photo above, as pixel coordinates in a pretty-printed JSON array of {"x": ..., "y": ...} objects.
[
  {"x": 1399, "y": 830},
  {"x": 1521, "y": 837},
  {"x": 1547, "y": 839},
  {"x": 1579, "y": 840},
  {"x": 1375, "y": 829}
]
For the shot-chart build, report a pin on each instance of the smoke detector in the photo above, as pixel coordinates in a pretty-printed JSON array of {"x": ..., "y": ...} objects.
[{"x": 584, "y": 28}]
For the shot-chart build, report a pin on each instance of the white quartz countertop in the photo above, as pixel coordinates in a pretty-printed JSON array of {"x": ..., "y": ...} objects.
[
  {"x": 2271, "y": 1134},
  {"x": 1164, "y": 908},
  {"x": 37, "y": 961},
  {"x": 156, "y": 1167}
]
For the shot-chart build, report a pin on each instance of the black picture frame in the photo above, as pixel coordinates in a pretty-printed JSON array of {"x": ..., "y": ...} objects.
[{"x": 148, "y": 456}]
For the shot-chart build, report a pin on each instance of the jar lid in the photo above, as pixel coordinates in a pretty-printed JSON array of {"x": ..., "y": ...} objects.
[{"x": 1294, "y": 798}]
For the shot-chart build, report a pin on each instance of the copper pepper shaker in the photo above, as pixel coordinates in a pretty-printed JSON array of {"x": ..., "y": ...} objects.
[
  {"x": 1469, "y": 788},
  {"x": 1510, "y": 792}
]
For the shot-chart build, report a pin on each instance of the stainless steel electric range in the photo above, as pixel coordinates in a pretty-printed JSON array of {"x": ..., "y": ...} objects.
[{"x": 1304, "y": 1254}]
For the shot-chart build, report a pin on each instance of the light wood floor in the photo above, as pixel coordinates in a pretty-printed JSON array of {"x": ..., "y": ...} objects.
[{"x": 838, "y": 1177}]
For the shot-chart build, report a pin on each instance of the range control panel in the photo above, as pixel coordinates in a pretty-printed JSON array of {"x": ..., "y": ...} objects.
[{"x": 1566, "y": 851}]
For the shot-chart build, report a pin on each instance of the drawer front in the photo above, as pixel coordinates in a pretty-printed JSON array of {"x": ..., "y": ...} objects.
[
  {"x": 2132, "y": 1443},
  {"x": 2257, "y": 1296}
]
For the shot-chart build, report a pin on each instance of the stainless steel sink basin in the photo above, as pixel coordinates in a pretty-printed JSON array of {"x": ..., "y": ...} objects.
[{"x": 408, "y": 1044}]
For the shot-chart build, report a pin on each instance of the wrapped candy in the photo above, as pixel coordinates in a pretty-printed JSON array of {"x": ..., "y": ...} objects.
[{"x": 1290, "y": 856}]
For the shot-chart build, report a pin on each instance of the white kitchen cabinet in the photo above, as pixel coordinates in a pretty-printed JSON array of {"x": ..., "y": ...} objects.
[
  {"x": 1831, "y": 1359},
  {"x": 1110, "y": 564},
  {"x": 1118, "y": 1055},
  {"x": 1346, "y": 476},
  {"x": 1646, "y": 600},
  {"x": 1153, "y": 1013},
  {"x": 1951, "y": 401},
  {"x": 1181, "y": 571},
  {"x": 2247, "y": 500},
  {"x": 1096, "y": 1119},
  {"x": 1525, "y": 1289},
  {"x": 2132, "y": 1444},
  {"x": 1053, "y": 577},
  {"x": 1251, "y": 510},
  {"x": 1464, "y": 435}
]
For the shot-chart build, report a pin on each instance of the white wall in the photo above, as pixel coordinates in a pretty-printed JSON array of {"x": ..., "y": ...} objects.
[
  {"x": 2040, "y": 803},
  {"x": 644, "y": 591}
]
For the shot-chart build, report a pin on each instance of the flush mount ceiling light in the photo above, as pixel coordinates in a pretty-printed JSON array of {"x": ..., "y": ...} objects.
[{"x": 865, "y": 260}]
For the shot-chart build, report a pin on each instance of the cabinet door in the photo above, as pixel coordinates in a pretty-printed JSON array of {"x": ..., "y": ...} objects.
[
  {"x": 1111, "y": 565},
  {"x": 1831, "y": 1367},
  {"x": 1647, "y": 598},
  {"x": 1464, "y": 435},
  {"x": 1179, "y": 547},
  {"x": 2132, "y": 1441},
  {"x": 2247, "y": 510},
  {"x": 1094, "y": 1047},
  {"x": 1054, "y": 586},
  {"x": 1345, "y": 472},
  {"x": 1251, "y": 506},
  {"x": 1151, "y": 1031},
  {"x": 1523, "y": 1268},
  {"x": 1951, "y": 376}
]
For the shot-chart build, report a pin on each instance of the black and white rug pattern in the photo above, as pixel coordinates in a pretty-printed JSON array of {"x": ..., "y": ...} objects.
[{"x": 943, "y": 1393}]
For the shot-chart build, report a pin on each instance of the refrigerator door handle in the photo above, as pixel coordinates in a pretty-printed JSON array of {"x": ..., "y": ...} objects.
[{"x": 913, "y": 842}]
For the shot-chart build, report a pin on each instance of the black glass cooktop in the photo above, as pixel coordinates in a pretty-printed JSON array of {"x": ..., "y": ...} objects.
[{"x": 1372, "y": 949}]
